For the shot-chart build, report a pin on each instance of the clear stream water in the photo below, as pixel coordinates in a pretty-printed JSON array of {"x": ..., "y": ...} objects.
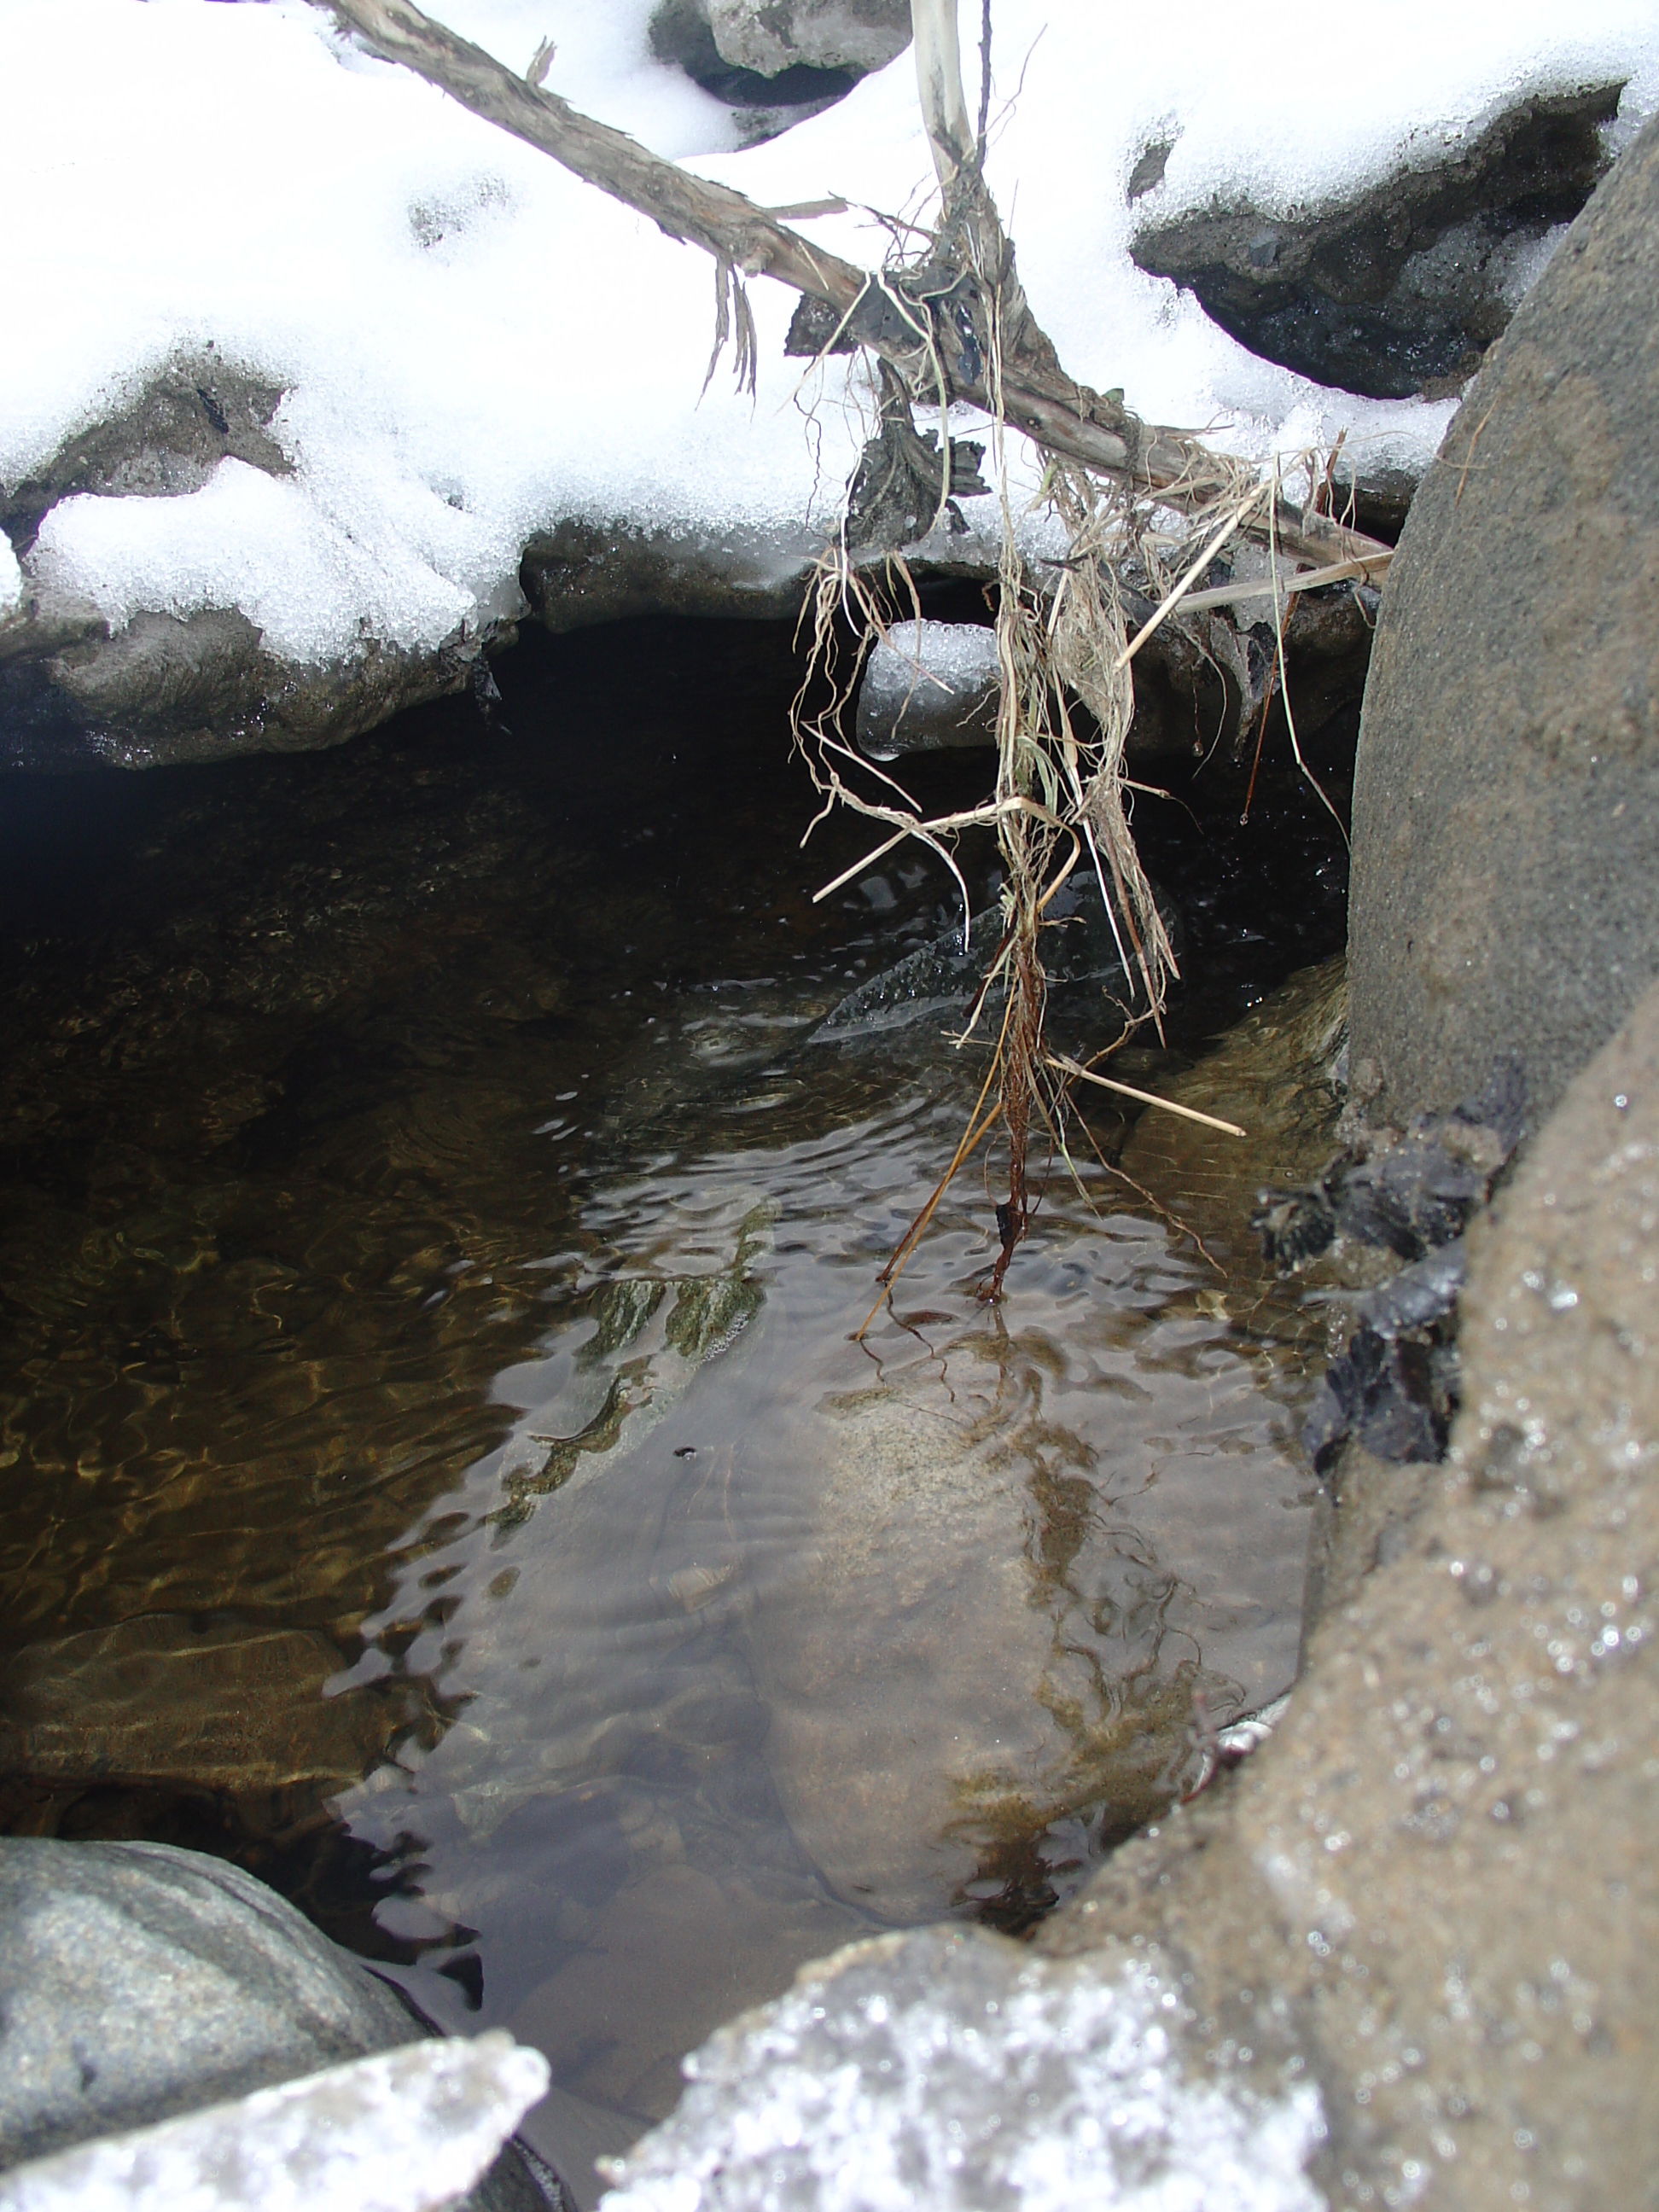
[{"x": 439, "y": 1468}]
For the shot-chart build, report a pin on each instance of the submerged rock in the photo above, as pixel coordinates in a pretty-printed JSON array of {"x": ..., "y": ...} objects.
[
  {"x": 1406, "y": 1956},
  {"x": 1505, "y": 898},
  {"x": 1080, "y": 946},
  {"x": 225, "y": 1705},
  {"x": 1277, "y": 1075}
]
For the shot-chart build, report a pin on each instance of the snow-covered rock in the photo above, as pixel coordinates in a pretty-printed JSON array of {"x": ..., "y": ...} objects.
[{"x": 468, "y": 348}]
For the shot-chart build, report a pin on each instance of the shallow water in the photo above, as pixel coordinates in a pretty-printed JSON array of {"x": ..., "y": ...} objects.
[{"x": 440, "y": 1471}]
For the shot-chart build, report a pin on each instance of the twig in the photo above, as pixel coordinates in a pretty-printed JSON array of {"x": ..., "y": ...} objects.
[{"x": 1070, "y": 1066}]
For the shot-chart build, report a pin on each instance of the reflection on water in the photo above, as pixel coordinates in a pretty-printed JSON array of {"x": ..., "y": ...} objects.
[{"x": 439, "y": 1470}]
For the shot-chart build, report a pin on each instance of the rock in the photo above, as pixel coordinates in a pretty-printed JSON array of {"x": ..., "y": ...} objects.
[
  {"x": 951, "y": 2069},
  {"x": 1080, "y": 946},
  {"x": 407, "y": 2130},
  {"x": 1273, "y": 1075},
  {"x": 1410, "y": 1953},
  {"x": 777, "y": 62},
  {"x": 197, "y": 412},
  {"x": 770, "y": 36},
  {"x": 928, "y": 685},
  {"x": 138, "y": 1983},
  {"x": 224, "y": 1705},
  {"x": 583, "y": 572},
  {"x": 1504, "y": 895},
  {"x": 167, "y": 688},
  {"x": 1404, "y": 285}
]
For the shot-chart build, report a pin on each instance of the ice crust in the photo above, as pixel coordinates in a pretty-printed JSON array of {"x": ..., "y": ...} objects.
[
  {"x": 952, "y": 2069},
  {"x": 11, "y": 578},
  {"x": 474, "y": 345},
  {"x": 926, "y": 685},
  {"x": 406, "y": 2131}
]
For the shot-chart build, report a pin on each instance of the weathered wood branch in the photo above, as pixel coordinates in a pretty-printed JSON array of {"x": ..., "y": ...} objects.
[{"x": 1065, "y": 418}]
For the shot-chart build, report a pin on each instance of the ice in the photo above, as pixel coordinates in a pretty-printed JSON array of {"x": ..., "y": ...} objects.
[
  {"x": 406, "y": 2131},
  {"x": 927, "y": 684},
  {"x": 474, "y": 345},
  {"x": 952, "y": 2069},
  {"x": 11, "y": 578}
]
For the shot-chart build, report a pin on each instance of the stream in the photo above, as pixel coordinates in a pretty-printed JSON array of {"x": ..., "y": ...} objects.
[{"x": 441, "y": 1468}]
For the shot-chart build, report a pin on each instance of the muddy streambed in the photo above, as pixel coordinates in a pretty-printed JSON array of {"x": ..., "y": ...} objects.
[{"x": 438, "y": 1471}]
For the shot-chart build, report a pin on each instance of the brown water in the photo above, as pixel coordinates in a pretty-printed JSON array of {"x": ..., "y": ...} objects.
[{"x": 438, "y": 1471}]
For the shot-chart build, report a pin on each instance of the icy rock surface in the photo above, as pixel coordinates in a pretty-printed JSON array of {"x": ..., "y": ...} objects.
[
  {"x": 407, "y": 2130},
  {"x": 950, "y": 2069},
  {"x": 928, "y": 684}
]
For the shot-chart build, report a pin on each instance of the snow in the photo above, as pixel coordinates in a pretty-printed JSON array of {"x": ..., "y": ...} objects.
[
  {"x": 952, "y": 2069},
  {"x": 474, "y": 346}
]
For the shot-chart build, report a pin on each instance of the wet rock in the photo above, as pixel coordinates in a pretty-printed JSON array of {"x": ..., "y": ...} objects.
[
  {"x": 138, "y": 1983},
  {"x": 1394, "y": 1382},
  {"x": 1504, "y": 896},
  {"x": 1404, "y": 285}
]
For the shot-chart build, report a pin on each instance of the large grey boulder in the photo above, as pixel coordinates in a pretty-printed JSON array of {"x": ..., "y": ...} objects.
[
  {"x": 1505, "y": 895},
  {"x": 138, "y": 1981}
]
